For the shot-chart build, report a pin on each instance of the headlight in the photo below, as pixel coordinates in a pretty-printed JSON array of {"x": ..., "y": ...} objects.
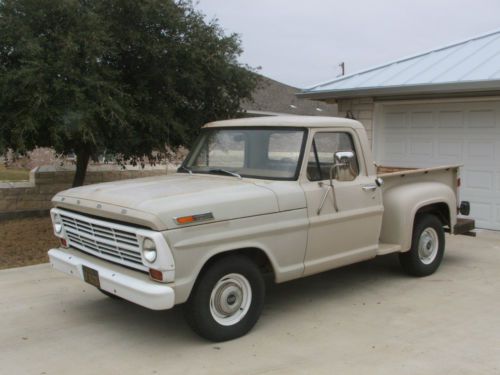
[
  {"x": 58, "y": 226},
  {"x": 149, "y": 250}
]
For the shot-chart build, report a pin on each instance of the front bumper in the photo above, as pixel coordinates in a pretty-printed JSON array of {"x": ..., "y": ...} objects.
[{"x": 131, "y": 285}]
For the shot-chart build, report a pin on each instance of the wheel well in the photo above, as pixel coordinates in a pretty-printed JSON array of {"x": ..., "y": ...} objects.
[
  {"x": 256, "y": 255},
  {"x": 441, "y": 210}
]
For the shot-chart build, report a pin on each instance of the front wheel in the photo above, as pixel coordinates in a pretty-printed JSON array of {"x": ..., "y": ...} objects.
[
  {"x": 427, "y": 247},
  {"x": 227, "y": 299}
]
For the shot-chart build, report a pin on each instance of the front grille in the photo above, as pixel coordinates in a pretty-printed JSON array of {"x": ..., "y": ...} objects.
[{"x": 102, "y": 239}]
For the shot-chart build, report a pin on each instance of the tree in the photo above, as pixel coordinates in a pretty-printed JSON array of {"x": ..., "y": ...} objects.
[{"x": 125, "y": 76}]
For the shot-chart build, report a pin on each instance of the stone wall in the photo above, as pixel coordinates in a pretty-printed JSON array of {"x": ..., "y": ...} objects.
[
  {"x": 33, "y": 197},
  {"x": 362, "y": 109}
]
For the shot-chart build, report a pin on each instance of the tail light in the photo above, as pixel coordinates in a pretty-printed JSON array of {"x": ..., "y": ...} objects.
[
  {"x": 459, "y": 182},
  {"x": 464, "y": 208}
]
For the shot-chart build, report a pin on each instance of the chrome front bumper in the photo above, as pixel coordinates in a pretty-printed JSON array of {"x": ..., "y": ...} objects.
[{"x": 133, "y": 286}]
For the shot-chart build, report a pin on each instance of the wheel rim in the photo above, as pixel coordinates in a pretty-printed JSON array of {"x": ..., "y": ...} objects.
[
  {"x": 428, "y": 245},
  {"x": 230, "y": 299}
]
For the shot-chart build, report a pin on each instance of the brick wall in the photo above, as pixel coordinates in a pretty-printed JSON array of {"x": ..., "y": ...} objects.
[
  {"x": 34, "y": 196},
  {"x": 362, "y": 109}
]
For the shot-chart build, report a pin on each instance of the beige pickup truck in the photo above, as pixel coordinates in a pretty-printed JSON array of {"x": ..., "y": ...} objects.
[{"x": 283, "y": 196}]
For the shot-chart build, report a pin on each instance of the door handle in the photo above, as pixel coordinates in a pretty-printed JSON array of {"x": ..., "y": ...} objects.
[{"x": 369, "y": 187}]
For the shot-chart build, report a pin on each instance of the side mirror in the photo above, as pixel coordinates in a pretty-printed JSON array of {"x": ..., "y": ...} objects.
[{"x": 345, "y": 166}]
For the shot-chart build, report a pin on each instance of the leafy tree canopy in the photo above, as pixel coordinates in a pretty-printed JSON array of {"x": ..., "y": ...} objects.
[{"x": 128, "y": 76}]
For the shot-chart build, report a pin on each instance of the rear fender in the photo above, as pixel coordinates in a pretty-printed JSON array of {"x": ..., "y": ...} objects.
[{"x": 402, "y": 204}]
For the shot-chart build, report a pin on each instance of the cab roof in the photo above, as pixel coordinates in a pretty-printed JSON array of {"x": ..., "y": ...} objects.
[{"x": 288, "y": 121}]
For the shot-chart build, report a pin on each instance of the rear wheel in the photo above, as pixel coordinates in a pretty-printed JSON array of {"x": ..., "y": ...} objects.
[
  {"x": 427, "y": 248},
  {"x": 227, "y": 299}
]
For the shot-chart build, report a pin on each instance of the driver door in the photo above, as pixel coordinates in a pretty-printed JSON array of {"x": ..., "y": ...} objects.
[{"x": 351, "y": 233}]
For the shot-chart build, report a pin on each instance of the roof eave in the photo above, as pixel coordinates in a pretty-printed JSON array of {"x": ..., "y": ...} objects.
[{"x": 410, "y": 90}]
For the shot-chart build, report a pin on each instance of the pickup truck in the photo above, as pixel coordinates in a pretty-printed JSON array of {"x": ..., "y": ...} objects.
[{"x": 280, "y": 197}]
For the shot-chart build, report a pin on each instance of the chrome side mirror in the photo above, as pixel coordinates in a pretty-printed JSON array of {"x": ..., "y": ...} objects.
[{"x": 345, "y": 166}]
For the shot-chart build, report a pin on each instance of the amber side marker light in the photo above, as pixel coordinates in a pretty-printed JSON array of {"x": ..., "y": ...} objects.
[
  {"x": 155, "y": 274},
  {"x": 186, "y": 219},
  {"x": 194, "y": 218}
]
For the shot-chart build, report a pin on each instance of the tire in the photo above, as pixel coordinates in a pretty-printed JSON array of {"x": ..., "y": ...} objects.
[
  {"x": 427, "y": 247},
  {"x": 226, "y": 300},
  {"x": 110, "y": 295}
]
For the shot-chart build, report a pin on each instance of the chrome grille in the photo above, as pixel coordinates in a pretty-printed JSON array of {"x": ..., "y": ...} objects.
[{"x": 102, "y": 239}]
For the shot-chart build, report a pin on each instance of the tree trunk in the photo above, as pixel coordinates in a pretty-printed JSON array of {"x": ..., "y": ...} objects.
[{"x": 82, "y": 161}]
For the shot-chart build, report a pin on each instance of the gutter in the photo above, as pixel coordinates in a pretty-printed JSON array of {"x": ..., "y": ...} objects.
[{"x": 403, "y": 90}]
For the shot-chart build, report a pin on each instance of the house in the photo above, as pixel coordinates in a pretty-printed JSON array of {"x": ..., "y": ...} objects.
[
  {"x": 272, "y": 98},
  {"x": 435, "y": 108}
]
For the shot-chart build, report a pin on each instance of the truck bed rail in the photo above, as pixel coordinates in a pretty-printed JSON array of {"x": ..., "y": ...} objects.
[{"x": 385, "y": 171}]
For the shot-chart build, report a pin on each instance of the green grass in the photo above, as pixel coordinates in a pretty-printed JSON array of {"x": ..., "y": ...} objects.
[{"x": 13, "y": 174}]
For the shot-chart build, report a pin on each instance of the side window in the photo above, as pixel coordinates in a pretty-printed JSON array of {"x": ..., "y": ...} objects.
[{"x": 324, "y": 146}]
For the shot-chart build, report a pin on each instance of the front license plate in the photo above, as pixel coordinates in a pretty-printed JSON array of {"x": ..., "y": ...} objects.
[{"x": 91, "y": 276}]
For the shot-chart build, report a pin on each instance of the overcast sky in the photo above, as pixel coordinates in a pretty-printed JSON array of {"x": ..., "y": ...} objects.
[{"x": 302, "y": 42}]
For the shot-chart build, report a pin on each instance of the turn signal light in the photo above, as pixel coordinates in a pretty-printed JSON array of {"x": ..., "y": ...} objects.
[
  {"x": 194, "y": 218},
  {"x": 63, "y": 242},
  {"x": 155, "y": 274},
  {"x": 186, "y": 219}
]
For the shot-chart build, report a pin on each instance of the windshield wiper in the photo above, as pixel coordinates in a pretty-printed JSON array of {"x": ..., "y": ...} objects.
[
  {"x": 220, "y": 170},
  {"x": 186, "y": 169}
]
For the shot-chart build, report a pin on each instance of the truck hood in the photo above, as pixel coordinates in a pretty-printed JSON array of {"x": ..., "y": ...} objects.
[{"x": 159, "y": 200}]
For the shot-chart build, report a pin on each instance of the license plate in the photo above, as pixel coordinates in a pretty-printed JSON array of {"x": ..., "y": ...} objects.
[{"x": 91, "y": 276}]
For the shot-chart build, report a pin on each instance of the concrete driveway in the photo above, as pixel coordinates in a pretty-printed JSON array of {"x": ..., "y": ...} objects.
[{"x": 364, "y": 319}]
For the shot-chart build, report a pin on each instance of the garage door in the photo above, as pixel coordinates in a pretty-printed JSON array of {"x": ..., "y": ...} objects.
[{"x": 415, "y": 135}]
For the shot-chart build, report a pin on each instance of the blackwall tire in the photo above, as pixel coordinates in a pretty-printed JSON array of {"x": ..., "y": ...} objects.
[
  {"x": 427, "y": 247},
  {"x": 226, "y": 300}
]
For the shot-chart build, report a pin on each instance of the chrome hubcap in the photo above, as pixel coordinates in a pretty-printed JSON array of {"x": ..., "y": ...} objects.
[
  {"x": 428, "y": 245},
  {"x": 230, "y": 299}
]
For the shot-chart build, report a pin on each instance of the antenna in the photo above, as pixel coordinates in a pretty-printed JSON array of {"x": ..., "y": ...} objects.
[{"x": 342, "y": 69}]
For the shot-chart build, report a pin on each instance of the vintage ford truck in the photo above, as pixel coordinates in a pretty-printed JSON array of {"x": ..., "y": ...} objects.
[{"x": 285, "y": 196}]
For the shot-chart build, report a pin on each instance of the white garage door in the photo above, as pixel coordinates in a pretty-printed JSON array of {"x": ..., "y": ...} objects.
[{"x": 414, "y": 135}]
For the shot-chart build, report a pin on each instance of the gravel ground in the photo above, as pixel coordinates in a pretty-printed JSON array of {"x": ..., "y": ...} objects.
[{"x": 24, "y": 242}]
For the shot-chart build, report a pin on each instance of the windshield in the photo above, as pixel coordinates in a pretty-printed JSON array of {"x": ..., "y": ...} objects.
[{"x": 268, "y": 153}]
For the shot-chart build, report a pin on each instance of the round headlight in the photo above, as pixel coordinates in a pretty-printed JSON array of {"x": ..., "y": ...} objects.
[
  {"x": 58, "y": 227},
  {"x": 149, "y": 250}
]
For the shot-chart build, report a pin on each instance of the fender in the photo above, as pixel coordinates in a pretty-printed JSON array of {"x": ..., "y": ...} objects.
[
  {"x": 281, "y": 237},
  {"x": 402, "y": 203}
]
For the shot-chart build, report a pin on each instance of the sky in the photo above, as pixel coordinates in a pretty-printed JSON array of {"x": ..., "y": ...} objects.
[{"x": 301, "y": 43}]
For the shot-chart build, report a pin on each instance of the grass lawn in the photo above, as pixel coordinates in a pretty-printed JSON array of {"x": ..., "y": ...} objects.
[
  {"x": 25, "y": 241},
  {"x": 13, "y": 174}
]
